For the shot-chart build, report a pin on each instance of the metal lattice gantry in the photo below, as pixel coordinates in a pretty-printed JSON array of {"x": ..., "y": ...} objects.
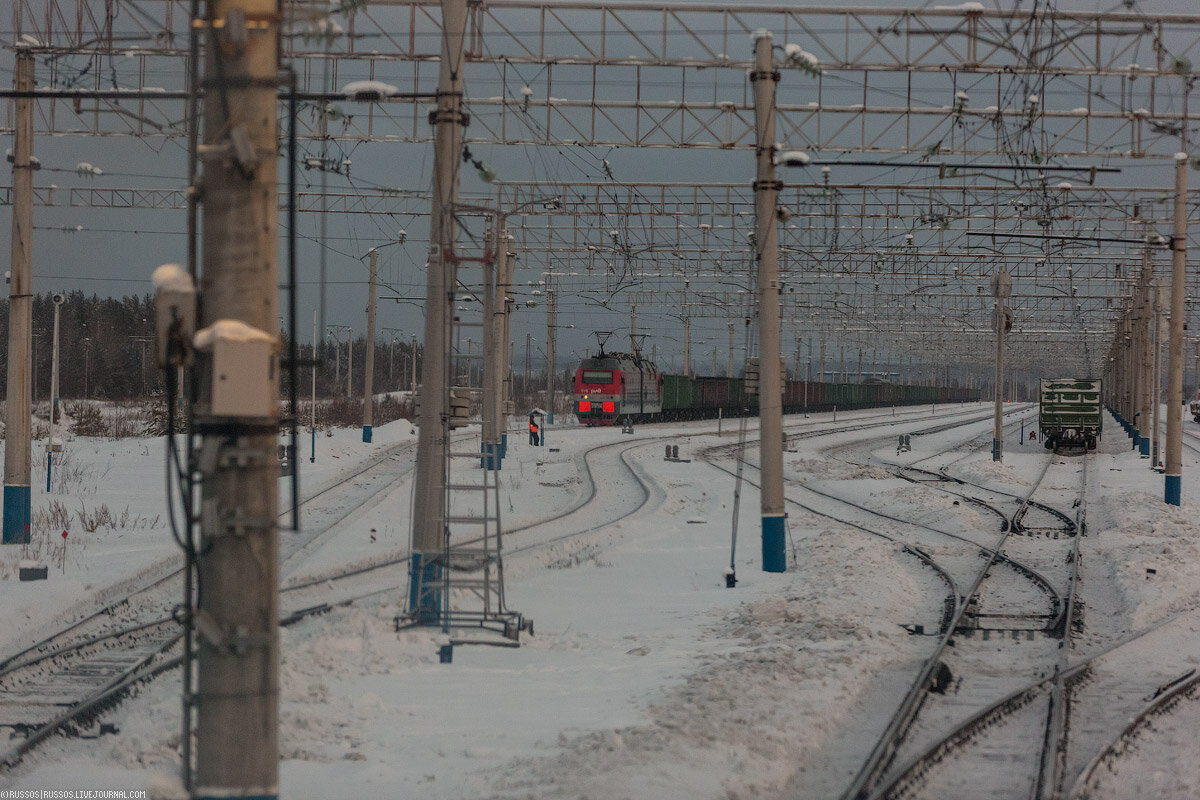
[
  {"x": 965, "y": 80},
  {"x": 974, "y": 96},
  {"x": 860, "y": 264}
]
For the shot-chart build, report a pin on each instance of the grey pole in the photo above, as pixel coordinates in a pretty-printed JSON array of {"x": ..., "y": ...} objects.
[
  {"x": 369, "y": 378},
  {"x": 18, "y": 458},
  {"x": 58, "y": 301},
  {"x": 1145, "y": 353},
  {"x": 1156, "y": 381},
  {"x": 492, "y": 323},
  {"x": 313, "y": 421},
  {"x": 1001, "y": 289},
  {"x": 551, "y": 318},
  {"x": 337, "y": 356},
  {"x": 1174, "y": 456},
  {"x": 763, "y": 79},
  {"x": 729, "y": 365},
  {"x": 504, "y": 347},
  {"x": 687, "y": 347},
  {"x": 237, "y": 696},
  {"x": 429, "y": 529}
]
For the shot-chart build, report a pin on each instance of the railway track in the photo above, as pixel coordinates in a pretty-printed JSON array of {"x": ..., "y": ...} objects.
[
  {"x": 993, "y": 715},
  {"x": 93, "y": 662},
  {"x": 62, "y": 683},
  {"x": 1016, "y": 601}
]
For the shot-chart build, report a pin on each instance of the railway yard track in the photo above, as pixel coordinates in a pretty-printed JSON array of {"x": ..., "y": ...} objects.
[
  {"x": 1004, "y": 705},
  {"x": 1000, "y": 689},
  {"x": 62, "y": 682}
]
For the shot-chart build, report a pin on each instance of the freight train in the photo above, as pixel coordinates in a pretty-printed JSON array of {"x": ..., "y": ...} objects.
[{"x": 614, "y": 387}]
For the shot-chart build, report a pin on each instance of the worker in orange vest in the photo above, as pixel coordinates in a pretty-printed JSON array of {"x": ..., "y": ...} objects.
[{"x": 533, "y": 431}]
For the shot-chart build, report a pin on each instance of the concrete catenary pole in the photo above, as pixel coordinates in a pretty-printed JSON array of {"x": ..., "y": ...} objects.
[
  {"x": 369, "y": 377},
  {"x": 551, "y": 327},
  {"x": 237, "y": 694},
  {"x": 1001, "y": 288},
  {"x": 764, "y": 78},
  {"x": 312, "y": 456},
  {"x": 349, "y": 362},
  {"x": 729, "y": 364},
  {"x": 58, "y": 301},
  {"x": 504, "y": 273},
  {"x": 412, "y": 351},
  {"x": 1174, "y": 456},
  {"x": 492, "y": 324},
  {"x": 18, "y": 458},
  {"x": 428, "y": 530},
  {"x": 1156, "y": 381},
  {"x": 1146, "y": 350},
  {"x": 687, "y": 347}
]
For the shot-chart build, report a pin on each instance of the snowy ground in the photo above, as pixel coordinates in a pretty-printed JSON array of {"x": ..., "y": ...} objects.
[{"x": 646, "y": 676}]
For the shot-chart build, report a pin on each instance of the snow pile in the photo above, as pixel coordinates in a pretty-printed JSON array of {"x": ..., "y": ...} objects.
[
  {"x": 929, "y": 506},
  {"x": 775, "y": 682},
  {"x": 991, "y": 473},
  {"x": 1153, "y": 550},
  {"x": 831, "y": 469}
]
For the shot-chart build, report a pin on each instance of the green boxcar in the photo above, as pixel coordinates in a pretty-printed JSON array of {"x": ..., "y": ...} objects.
[
  {"x": 1070, "y": 412},
  {"x": 678, "y": 392}
]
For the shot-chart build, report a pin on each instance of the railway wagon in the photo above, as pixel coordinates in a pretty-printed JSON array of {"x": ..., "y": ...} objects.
[{"x": 1070, "y": 412}]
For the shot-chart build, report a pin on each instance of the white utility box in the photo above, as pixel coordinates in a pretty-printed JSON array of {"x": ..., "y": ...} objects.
[{"x": 245, "y": 375}]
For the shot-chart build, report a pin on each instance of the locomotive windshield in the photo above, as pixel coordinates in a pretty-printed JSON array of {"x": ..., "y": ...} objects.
[{"x": 604, "y": 376}]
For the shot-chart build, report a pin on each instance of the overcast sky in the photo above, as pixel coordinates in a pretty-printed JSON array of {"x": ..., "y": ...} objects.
[{"x": 114, "y": 252}]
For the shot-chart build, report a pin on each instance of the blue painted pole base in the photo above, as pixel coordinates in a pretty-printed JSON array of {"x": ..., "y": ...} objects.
[
  {"x": 424, "y": 590},
  {"x": 1173, "y": 489},
  {"x": 313, "y": 448},
  {"x": 492, "y": 458},
  {"x": 774, "y": 551},
  {"x": 503, "y": 445},
  {"x": 995, "y": 449},
  {"x": 367, "y": 434},
  {"x": 17, "y": 505},
  {"x": 1145, "y": 449}
]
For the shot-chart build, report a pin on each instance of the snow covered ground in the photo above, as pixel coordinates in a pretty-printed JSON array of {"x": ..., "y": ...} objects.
[{"x": 646, "y": 676}]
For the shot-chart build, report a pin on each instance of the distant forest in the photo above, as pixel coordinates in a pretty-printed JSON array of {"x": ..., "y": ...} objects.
[{"x": 106, "y": 352}]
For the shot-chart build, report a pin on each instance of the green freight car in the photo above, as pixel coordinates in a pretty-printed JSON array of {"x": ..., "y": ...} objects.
[{"x": 1070, "y": 413}]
